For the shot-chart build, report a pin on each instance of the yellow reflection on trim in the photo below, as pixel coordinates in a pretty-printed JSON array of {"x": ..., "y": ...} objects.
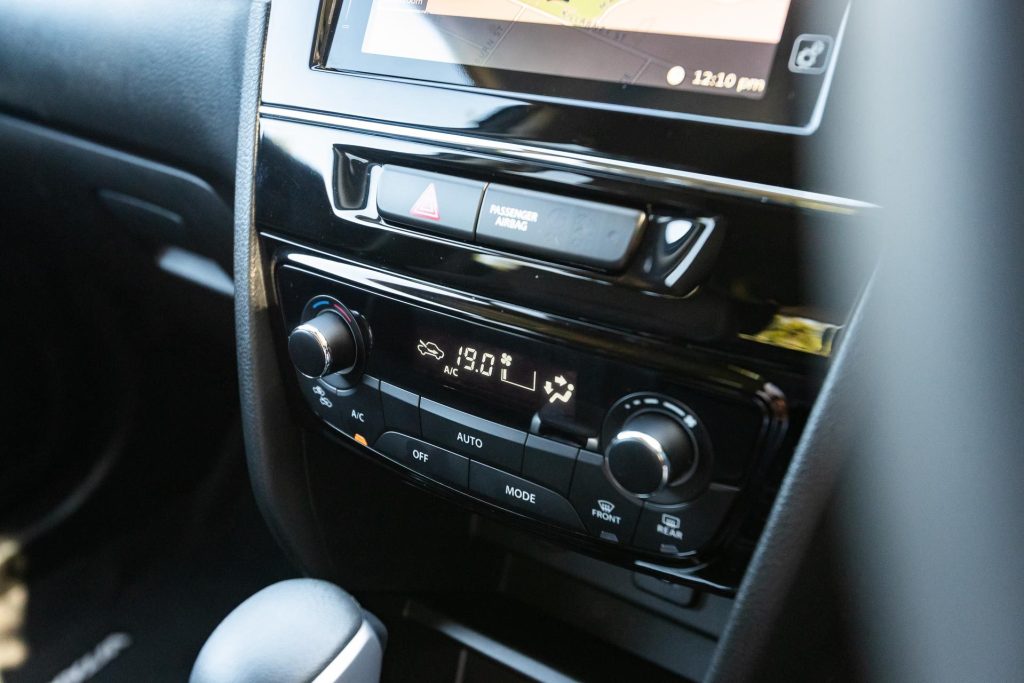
[
  {"x": 797, "y": 334},
  {"x": 13, "y": 602}
]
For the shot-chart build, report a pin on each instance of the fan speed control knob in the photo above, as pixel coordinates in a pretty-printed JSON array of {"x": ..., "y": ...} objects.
[
  {"x": 651, "y": 452},
  {"x": 323, "y": 345}
]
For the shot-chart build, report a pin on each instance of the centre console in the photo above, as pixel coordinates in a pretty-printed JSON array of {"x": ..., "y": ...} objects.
[
  {"x": 598, "y": 438},
  {"x": 588, "y": 306}
]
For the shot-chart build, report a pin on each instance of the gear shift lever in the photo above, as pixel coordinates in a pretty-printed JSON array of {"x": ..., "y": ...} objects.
[{"x": 296, "y": 630}]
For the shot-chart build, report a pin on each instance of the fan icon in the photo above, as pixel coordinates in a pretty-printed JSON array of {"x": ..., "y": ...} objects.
[{"x": 506, "y": 360}]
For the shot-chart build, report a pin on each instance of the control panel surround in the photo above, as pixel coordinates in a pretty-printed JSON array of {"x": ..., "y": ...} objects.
[{"x": 547, "y": 460}]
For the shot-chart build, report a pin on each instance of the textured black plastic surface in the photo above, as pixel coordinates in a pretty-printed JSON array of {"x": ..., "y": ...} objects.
[
  {"x": 271, "y": 438},
  {"x": 155, "y": 78},
  {"x": 120, "y": 190},
  {"x": 797, "y": 513}
]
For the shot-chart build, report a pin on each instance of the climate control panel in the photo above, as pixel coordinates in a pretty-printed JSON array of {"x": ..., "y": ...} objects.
[{"x": 621, "y": 446}]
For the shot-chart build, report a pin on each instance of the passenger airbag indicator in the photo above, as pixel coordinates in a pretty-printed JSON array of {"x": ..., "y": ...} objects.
[{"x": 566, "y": 229}]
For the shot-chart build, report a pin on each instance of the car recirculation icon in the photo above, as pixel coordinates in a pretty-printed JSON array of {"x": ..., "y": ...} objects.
[{"x": 429, "y": 348}]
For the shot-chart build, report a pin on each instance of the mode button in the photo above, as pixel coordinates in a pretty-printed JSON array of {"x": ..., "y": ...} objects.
[{"x": 523, "y": 496}]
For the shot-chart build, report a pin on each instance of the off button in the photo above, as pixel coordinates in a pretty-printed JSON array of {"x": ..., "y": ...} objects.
[
  {"x": 428, "y": 460},
  {"x": 561, "y": 228}
]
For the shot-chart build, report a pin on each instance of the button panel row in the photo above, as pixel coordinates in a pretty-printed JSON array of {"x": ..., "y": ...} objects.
[
  {"x": 545, "y": 225},
  {"x": 532, "y": 475}
]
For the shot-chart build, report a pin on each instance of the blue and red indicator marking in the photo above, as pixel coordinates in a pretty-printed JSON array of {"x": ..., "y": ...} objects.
[{"x": 317, "y": 305}]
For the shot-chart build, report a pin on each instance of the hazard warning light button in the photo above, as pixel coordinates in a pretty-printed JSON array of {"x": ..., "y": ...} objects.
[{"x": 430, "y": 201}]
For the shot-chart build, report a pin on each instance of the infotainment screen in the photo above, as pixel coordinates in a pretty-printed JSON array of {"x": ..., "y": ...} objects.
[{"x": 682, "y": 56}]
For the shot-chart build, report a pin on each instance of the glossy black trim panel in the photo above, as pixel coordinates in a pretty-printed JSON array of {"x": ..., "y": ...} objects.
[
  {"x": 588, "y": 163},
  {"x": 317, "y": 185}
]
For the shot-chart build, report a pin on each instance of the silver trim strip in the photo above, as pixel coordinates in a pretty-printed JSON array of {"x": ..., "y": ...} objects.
[
  {"x": 200, "y": 270},
  {"x": 487, "y": 646},
  {"x": 654, "y": 446},
  {"x": 771, "y": 194},
  {"x": 321, "y": 341},
  {"x": 358, "y": 662}
]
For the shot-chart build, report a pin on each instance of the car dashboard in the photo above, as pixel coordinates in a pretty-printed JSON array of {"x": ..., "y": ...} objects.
[
  {"x": 592, "y": 324},
  {"x": 534, "y": 301}
]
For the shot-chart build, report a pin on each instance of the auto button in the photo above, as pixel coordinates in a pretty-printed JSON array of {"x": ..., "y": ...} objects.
[{"x": 480, "y": 439}]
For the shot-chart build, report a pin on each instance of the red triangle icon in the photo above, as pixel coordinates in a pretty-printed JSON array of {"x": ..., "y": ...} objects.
[{"x": 426, "y": 206}]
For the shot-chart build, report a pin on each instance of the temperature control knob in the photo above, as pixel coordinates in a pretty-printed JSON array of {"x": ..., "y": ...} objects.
[
  {"x": 651, "y": 452},
  {"x": 324, "y": 345}
]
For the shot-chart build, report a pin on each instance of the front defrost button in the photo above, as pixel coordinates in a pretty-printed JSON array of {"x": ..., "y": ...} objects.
[{"x": 605, "y": 512}]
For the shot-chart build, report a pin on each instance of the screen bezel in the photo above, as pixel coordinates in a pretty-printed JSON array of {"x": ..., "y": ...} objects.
[{"x": 794, "y": 103}]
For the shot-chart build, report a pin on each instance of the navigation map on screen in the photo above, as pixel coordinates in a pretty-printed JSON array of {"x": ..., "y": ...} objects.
[{"x": 720, "y": 46}]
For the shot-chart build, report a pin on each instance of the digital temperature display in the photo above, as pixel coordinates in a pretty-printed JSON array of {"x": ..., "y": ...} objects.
[{"x": 498, "y": 372}]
